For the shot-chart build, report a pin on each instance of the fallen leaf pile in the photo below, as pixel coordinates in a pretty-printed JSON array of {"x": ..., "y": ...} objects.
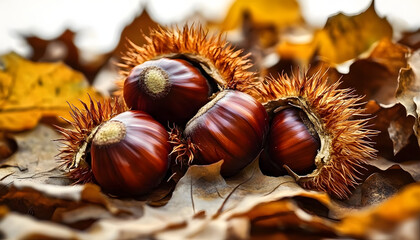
[{"x": 37, "y": 201}]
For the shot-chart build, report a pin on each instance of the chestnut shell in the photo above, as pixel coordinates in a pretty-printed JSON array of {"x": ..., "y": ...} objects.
[
  {"x": 290, "y": 142},
  {"x": 187, "y": 91},
  {"x": 231, "y": 127},
  {"x": 138, "y": 162}
]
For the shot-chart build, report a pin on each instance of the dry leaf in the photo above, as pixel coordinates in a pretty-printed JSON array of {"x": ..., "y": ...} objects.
[
  {"x": 385, "y": 217},
  {"x": 377, "y": 184},
  {"x": 31, "y": 91},
  {"x": 279, "y": 13},
  {"x": 408, "y": 92},
  {"x": 134, "y": 32},
  {"x": 254, "y": 39},
  {"x": 411, "y": 39},
  {"x": 35, "y": 158},
  {"x": 412, "y": 167},
  {"x": 409, "y": 84},
  {"x": 376, "y": 76},
  {"x": 287, "y": 215},
  {"x": 60, "y": 48},
  {"x": 256, "y": 26},
  {"x": 8, "y": 145},
  {"x": 64, "y": 49},
  {"x": 382, "y": 185},
  {"x": 342, "y": 38},
  {"x": 395, "y": 131}
]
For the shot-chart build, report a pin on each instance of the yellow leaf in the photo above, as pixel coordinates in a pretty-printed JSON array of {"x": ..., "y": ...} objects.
[
  {"x": 30, "y": 91},
  {"x": 279, "y": 13},
  {"x": 342, "y": 38},
  {"x": 402, "y": 206}
]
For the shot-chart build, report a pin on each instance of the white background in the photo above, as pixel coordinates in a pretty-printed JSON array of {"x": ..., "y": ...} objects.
[{"x": 98, "y": 23}]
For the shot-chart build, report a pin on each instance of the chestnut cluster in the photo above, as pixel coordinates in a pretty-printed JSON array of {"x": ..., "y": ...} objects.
[
  {"x": 220, "y": 124},
  {"x": 218, "y": 110},
  {"x": 125, "y": 147}
]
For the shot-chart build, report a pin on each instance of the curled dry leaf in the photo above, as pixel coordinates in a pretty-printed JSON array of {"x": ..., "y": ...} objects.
[
  {"x": 376, "y": 76},
  {"x": 408, "y": 92},
  {"x": 342, "y": 38},
  {"x": 76, "y": 206},
  {"x": 395, "y": 131},
  {"x": 30, "y": 91},
  {"x": 203, "y": 200},
  {"x": 411, "y": 167},
  {"x": 286, "y": 214},
  {"x": 384, "y": 217},
  {"x": 409, "y": 84},
  {"x": 380, "y": 186}
]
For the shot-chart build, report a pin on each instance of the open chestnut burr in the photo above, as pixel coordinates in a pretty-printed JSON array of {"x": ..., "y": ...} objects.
[
  {"x": 125, "y": 152},
  {"x": 314, "y": 133},
  {"x": 170, "y": 89},
  {"x": 177, "y": 72}
]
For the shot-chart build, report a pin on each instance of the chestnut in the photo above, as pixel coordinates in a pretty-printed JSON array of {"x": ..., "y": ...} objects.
[
  {"x": 290, "y": 143},
  {"x": 315, "y": 136},
  {"x": 168, "y": 89},
  {"x": 125, "y": 152},
  {"x": 129, "y": 154},
  {"x": 231, "y": 127}
]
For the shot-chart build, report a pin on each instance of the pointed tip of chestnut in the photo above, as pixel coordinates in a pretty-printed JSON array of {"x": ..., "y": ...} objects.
[{"x": 110, "y": 132}]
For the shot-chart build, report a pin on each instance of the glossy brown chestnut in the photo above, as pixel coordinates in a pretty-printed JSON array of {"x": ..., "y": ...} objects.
[
  {"x": 168, "y": 89},
  {"x": 231, "y": 127},
  {"x": 130, "y": 154},
  {"x": 290, "y": 142}
]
